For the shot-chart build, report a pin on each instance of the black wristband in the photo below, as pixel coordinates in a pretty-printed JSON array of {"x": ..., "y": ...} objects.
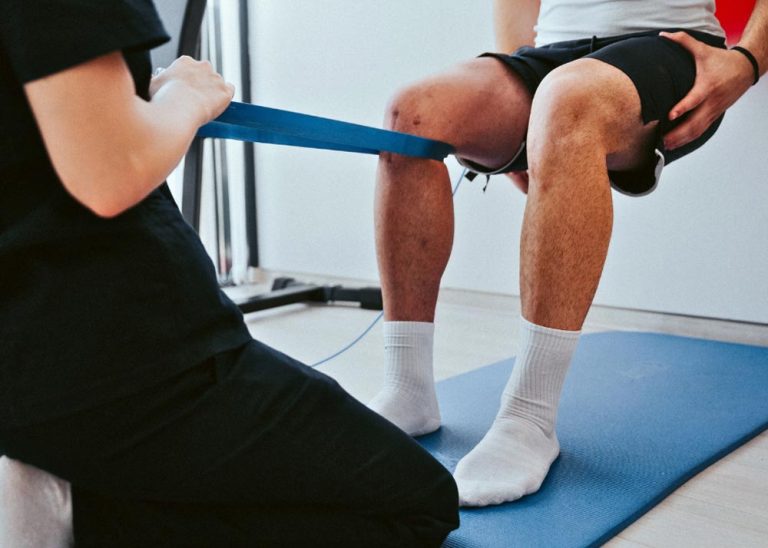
[{"x": 748, "y": 54}]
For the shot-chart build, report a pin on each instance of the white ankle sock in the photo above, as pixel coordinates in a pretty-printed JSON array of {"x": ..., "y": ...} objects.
[
  {"x": 408, "y": 397},
  {"x": 514, "y": 457}
]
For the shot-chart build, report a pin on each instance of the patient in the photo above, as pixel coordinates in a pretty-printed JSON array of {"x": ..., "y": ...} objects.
[{"x": 611, "y": 91}]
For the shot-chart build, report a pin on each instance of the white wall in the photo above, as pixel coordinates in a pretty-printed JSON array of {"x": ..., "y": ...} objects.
[{"x": 697, "y": 246}]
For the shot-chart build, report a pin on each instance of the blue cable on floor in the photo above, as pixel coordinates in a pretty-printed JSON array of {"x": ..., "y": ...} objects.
[
  {"x": 381, "y": 314},
  {"x": 353, "y": 343}
]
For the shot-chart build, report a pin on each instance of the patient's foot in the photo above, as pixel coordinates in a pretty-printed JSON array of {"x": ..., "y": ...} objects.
[
  {"x": 511, "y": 461},
  {"x": 408, "y": 397},
  {"x": 413, "y": 411},
  {"x": 513, "y": 458}
]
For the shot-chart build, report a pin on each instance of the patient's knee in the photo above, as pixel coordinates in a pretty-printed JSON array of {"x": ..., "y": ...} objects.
[
  {"x": 422, "y": 109},
  {"x": 409, "y": 110},
  {"x": 566, "y": 106},
  {"x": 567, "y": 122}
]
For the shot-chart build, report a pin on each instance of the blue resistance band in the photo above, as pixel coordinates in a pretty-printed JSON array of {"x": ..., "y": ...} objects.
[{"x": 257, "y": 124}]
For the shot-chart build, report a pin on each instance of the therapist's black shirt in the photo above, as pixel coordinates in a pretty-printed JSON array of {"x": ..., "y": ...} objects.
[{"x": 91, "y": 309}]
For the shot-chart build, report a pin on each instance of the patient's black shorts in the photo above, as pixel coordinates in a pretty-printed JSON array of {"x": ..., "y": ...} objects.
[{"x": 663, "y": 72}]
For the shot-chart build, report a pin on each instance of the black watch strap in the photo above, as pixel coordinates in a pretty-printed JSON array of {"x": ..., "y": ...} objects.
[{"x": 748, "y": 54}]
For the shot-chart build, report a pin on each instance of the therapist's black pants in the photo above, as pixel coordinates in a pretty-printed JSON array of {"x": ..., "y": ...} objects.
[{"x": 250, "y": 448}]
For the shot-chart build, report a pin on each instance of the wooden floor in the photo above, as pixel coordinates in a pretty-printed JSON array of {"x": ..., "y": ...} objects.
[{"x": 724, "y": 506}]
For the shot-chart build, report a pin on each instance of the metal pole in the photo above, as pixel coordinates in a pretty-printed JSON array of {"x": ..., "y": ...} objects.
[
  {"x": 189, "y": 44},
  {"x": 220, "y": 167},
  {"x": 251, "y": 214}
]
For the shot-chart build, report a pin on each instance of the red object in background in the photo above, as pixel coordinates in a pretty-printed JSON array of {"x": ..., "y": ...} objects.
[{"x": 733, "y": 15}]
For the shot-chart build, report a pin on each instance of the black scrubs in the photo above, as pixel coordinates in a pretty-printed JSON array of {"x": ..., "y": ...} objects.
[{"x": 126, "y": 371}]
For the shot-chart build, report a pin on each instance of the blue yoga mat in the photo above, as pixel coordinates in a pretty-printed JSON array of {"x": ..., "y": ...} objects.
[{"x": 641, "y": 414}]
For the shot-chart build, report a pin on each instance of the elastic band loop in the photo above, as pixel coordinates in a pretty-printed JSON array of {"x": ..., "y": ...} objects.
[
  {"x": 748, "y": 54},
  {"x": 258, "y": 124}
]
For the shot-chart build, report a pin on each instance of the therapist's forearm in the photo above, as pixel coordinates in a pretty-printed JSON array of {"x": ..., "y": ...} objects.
[{"x": 111, "y": 148}]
